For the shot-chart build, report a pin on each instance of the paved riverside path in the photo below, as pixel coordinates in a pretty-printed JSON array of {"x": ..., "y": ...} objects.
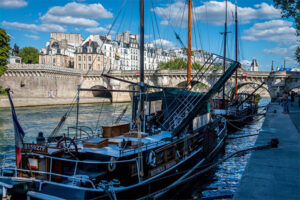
[{"x": 274, "y": 173}]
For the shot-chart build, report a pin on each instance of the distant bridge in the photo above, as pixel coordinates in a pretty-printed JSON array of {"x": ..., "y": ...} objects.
[{"x": 43, "y": 81}]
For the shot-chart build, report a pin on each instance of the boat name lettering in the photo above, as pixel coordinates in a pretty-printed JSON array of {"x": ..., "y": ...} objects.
[{"x": 34, "y": 147}]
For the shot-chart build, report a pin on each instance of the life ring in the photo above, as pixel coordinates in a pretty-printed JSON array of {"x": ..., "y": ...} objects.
[
  {"x": 152, "y": 159},
  {"x": 112, "y": 165}
]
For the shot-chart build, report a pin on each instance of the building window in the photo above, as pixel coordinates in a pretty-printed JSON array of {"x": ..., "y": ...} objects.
[
  {"x": 83, "y": 58},
  {"x": 84, "y": 66},
  {"x": 79, "y": 66},
  {"x": 90, "y": 66},
  {"x": 44, "y": 61},
  {"x": 98, "y": 58},
  {"x": 98, "y": 66},
  {"x": 54, "y": 61},
  {"x": 90, "y": 58},
  {"x": 79, "y": 58}
]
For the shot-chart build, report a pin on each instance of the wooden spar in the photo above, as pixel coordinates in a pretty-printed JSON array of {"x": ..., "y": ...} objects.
[
  {"x": 105, "y": 90},
  {"x": 225, "y": 41},
  {"x": 236, "y": 51},
  {"x": 189, "y": 67},
  {"x": 142, "y": 86}
]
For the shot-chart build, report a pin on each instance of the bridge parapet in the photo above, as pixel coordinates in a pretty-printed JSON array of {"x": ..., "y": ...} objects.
[{"x": 41, "y": 68}]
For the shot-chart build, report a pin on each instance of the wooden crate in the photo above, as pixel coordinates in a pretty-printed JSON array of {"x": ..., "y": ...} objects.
[{"x": 115, "y": 130}]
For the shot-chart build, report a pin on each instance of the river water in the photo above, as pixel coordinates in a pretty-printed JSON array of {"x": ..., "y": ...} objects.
[{"x": 223, "y": 179}]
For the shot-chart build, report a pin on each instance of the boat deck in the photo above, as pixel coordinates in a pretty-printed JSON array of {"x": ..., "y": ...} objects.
[{"x": 148, "y": 142}]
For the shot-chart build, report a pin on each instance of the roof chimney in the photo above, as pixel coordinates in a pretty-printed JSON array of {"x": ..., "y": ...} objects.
[{"x": 90, "y": 42}]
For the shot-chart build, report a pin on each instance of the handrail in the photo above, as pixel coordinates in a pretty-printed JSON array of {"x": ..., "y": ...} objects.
[
  {"x": 49, "y": 173},
  {"x": 80, "y": 128},
  {"x": 80, "y": 161}
]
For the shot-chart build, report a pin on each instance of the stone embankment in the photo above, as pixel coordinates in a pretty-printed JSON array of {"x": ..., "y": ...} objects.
[
  {"x": 21, "y": 102},
  {"x": 274, "y": 173}
]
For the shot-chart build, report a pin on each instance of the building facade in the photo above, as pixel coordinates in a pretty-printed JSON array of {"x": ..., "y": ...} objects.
[{"x": 60, "y": 49}]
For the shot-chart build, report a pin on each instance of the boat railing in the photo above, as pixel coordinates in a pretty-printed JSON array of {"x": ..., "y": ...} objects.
[
  {"x": 47, "y": 175},
  {"x": 83, "y": 130},
  {"x": 146, "y": 146}
]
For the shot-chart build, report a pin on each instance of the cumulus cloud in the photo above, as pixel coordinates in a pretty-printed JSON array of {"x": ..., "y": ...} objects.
[
  {"x": 68, "y": 20},
  {"x": 12, "y": 3},
  {"x": 213, "y": 12},
  {"x": 164, "y": 43},
  {"x": 34, "y": 27},
  {"x": 97, "y": 30},
  {"x": 287, "y": 52},
  {"x": 76, "y": 14},
  {"x": 34, "y": 37},
  {"x": 275, "y": 31}
]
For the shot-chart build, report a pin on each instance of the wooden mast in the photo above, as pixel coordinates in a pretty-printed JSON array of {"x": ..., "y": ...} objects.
[
  {"x": 189, "y": 67},
  {"x": 142, "y": 84},
  {"x": 236, "y": 51},
  {"x": 225, "y": 41}
]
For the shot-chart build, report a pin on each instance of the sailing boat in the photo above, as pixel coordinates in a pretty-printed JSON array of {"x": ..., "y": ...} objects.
[
  {"x": 241, "y": 108},
  {"x": 126, "y": 160}
]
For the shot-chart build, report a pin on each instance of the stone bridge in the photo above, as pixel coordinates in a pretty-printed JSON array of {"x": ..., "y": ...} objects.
[{"x": 45, "y": 81}]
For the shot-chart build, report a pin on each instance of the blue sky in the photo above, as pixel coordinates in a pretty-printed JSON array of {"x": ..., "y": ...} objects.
[{"x": 262, "y": 32}]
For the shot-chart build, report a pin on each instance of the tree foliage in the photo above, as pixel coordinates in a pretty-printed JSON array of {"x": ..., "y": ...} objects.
[
  {"x": 15, "y": 51},
  {"x": 29, "y": 55},
  {"x": 178, "y": 64},
  {"x": 4, "y": 50},
  {"x": 291, "y": 8}
]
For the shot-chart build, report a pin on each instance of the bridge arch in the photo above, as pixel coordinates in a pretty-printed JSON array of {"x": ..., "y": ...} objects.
[
  {"x": 105, "y": 93},
  {"x": 251, "y": 84},
  {"x": 200, "y": 86}
]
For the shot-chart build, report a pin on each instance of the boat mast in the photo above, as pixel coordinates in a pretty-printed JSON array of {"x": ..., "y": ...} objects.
[
  {"x": 189, "y": 44},
  {"x": 225, "y": 41},
  {"x": 142, "y": 85},
  {"x": 236, "y": 51}
]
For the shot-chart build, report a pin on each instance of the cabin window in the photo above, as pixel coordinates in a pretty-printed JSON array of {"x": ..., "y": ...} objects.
[
  {"x": 160, "y": 158},
  {"x": 133, "y": 170},
  {"x": 169, "y": 154}
]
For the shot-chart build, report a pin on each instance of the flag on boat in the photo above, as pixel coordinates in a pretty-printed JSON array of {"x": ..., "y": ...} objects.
[{"x": 19, "y": 133}]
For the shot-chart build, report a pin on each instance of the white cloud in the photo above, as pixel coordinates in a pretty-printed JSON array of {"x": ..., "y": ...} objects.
[
  {"x": 287, "y": 52},
  {"x": 164, "y": 43},
  {"x": 68, "y": 20},
  {"x": 76, "y": 14},
  {"x": 97, "y": 30},
  {"x": 275, "y": 31},
  {"x": 34, "y": 37},
  {"x": 245, "y": 62},
  {"x": 12, "y": 3},
  {"x": 34, "y": 27},
  {"x": 213, "y": 12}
]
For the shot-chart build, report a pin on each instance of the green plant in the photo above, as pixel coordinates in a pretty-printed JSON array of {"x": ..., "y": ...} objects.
[
  {"x": 29, "y": 55},
  {"x": 4, "y": 50}
]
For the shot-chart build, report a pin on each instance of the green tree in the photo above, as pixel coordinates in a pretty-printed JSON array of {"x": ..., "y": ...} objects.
[
  {"x": 4, "y": 50},
  {"x": 15, "y": 51},
  {"x": 29, "y": 55},
  {"x": 291, "y": 8}
]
